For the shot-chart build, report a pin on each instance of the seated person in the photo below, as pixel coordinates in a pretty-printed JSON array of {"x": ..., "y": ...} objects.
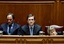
[
  {"x": 10, "y": 28},
  {"x": 31, "y": 28},
  {"x": 59, "y": 29},
  {"x": 52, "y": 31}
]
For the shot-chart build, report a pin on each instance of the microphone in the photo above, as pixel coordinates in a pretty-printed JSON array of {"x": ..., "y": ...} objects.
[{"x": 49, "y": 28}]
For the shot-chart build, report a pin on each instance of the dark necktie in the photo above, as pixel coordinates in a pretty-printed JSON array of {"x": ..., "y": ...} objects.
[{"x": 9, "y": 28}]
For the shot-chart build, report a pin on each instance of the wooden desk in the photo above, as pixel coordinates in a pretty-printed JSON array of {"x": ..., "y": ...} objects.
[{"x": 36, "y": 39}]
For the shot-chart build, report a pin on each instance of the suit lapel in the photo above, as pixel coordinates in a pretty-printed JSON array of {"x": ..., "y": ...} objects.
[
  {"x": 5, "y": 28},
  {"x": 34, "y": 30},
  {"x": 14, "y": 28},
  {"x": 27, "y": 30}
]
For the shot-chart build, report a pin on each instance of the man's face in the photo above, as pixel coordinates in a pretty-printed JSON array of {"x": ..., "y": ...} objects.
[
  {"x": 31, "y": 20},
  {"x": 9, "y": 19}
]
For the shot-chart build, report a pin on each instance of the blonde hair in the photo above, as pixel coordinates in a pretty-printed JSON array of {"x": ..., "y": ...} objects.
[{"x": 51, "y": 30}]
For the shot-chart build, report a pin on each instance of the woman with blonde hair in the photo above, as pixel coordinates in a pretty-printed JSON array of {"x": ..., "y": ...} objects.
[{"x": 51, "y": 31}]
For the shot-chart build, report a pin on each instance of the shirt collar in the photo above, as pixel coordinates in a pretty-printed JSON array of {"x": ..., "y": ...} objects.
[
  {"x": 31, "y": 26},
  {"x": 11, "y": 24}
]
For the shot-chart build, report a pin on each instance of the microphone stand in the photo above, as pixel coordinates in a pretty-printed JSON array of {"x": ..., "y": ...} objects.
[{"x": 49, "y": 28}]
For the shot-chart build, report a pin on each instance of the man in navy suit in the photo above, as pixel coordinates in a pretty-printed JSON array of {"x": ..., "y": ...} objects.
[
  {"x": 31, "y": 28},
  {"x": 10, "y": 28}
]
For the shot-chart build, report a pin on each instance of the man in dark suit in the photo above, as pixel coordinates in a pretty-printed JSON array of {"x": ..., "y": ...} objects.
[
  {"x": 10, "y": 28},
  {"x": 31, "y": 28}
]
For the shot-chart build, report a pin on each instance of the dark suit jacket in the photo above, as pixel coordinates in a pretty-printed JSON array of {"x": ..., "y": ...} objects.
[
  {"x": 25, "y": 29},
  {"x": 15, "y": 31}
]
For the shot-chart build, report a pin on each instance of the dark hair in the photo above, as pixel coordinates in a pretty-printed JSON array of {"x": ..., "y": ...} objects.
[
  {"x": 30, "y": 15},
  {"x": 12, "y": 15}
]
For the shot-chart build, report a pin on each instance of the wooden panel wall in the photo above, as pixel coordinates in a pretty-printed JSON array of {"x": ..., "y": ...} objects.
[
  {"x": 62, "y": 12},
  {"x": 27, "y": 0},
  {"x": 46, "y": 12}
]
